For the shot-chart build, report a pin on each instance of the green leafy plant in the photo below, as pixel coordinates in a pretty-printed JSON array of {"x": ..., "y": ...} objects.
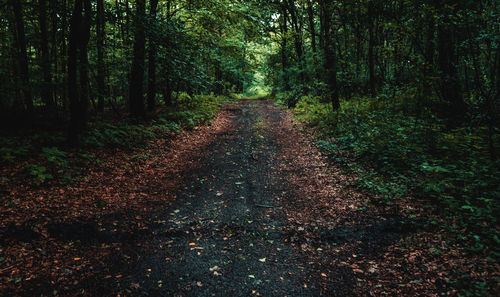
[
  {"x": 38, "y": 173},
  {"x": 55, "y": 156}
]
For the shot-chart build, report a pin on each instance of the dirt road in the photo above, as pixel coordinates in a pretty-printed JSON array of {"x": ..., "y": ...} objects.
[
  {"x": 224, "y": 234},
  {"x": 260, "y": 212}
]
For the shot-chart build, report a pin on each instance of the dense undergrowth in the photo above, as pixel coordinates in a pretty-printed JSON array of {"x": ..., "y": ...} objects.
[
  {"x": 397, "y": 154},
  {"x": 48, "y": 158}
]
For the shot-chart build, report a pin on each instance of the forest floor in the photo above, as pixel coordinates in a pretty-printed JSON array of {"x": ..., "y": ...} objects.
[{"x": 246, "y": 206}]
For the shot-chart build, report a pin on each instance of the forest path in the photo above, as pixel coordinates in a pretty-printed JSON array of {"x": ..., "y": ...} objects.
[
  {"x": 224, "y": 235},
  {"x": 245, "y": 207}
]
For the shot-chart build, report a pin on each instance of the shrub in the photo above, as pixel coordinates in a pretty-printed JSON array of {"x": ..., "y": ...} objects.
[{"x": 396, "y": 152}]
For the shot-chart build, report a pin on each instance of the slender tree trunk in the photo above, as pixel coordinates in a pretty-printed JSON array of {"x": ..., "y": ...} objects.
[
  {"x": 53, "y": 52},
  {"x": 78, "y": 66},
  {"x": 73, "y": 88},
  {"x": 371, "y": 45},
  {"x": 136, "y": 97},
  {"x": 310, "y": 13},
  {"x": 321, "y": 25},
  {"x": 429, "y": 64},
  {"x": 167, "y": 92},
  {"x": 168, "y": 89},
  {"x": 491, "y": 100},
  {"x": 451, "y": 90},
  {"x": 22, "y": 55},
  {"x": 284, "y": 45},
  {"x": 152, "y": 59},
  {"x": 84, "y": 62},
  {"x": 358, "y": 50},
  {"x": 46, "y": 92},
  {"x": 126, "y": 28},
  {"x": 64, "y": 53},
  {"x": 330, "y": 63},
  {"x": 101, "y": 73},
  {"x": 297, "y": 34}
]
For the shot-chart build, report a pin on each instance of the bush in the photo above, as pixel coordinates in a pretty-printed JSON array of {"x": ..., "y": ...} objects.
[{"x": 396, "y": 152}]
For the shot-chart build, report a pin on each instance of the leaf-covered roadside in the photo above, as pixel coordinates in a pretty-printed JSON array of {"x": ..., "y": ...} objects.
[
  {"x": 63, "y": 233},
  {"x": 402, "y": 246}
]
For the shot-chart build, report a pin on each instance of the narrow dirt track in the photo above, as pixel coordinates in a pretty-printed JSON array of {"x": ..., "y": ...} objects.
[
  {"x": 224, "y": 234},
  {"x": 263, "y": 215}
]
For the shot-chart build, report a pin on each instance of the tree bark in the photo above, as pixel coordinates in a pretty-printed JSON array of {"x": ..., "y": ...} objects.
[
  {"x": 22, "y": 55},
  {"x": 153, "y": 4},
  {"x": 136, "y": 96},
  {"x": 101, "y": 74},
  {"x": 54, "y": 7},
  {"x": 284, "y": 45},
  {"x": 46, "y": 92},
  {"x": 330, "y": 62},
  {"x": 371, "y": 45},
  {"x": 297, "y": 35},
  {"x": 78, "y": 64},
  {"x": 64, "y": 53},
  {"x": 447, "y": 62},
  {"x": 310, "y": 13}
]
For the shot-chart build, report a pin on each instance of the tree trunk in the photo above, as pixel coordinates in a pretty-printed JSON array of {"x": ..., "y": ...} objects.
[
  {"x": 101, "y": 74},
  {"x": 46, "y": 92},
  {"x": 321, "y": 25},
  {"x": 22, "y": 55},
  {"x": 219, "y": 84},
  {"x": 330, "y": 63},
  {"x": 297, "y": 34},
  {"x": 310, "y": 13},
  {"x": 152, "y": 59},
  {"x": 136, "y": 98},
  {"x": 429, "y": 64},
  {"x": 371, "y": 45},
  {"x": 53, "y": 51},
  {"x": 84, "y": 62},
  {"x": 78, "y": 64},
  {"x": 64, "y": 53},
  {"x": 450, "y": 82},
  {"x": 284, "y": 45}
]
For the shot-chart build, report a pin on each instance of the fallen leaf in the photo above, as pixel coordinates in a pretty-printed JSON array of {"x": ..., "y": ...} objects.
[
  {"x": 135, "y": 286},
  {"x": 192, "y": 244},
  {"x": 262, "y": 260}
]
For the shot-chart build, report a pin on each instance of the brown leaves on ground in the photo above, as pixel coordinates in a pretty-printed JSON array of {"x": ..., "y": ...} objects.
[
  {"x": 359, "y": 244},
  {"x": 113, "y": 196}
]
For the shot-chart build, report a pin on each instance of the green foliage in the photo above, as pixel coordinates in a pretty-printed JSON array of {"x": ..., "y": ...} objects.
[
  {"x": 196, "y": 110},
  {"x": 38, "y": 173},
  {"x": 55, "y": 156},
  {"x": 395, "y": 154},
  {"x": 12, "y": 148},
  {"x": 190, "y": 111},
  {"x": 125, "y": 135}
]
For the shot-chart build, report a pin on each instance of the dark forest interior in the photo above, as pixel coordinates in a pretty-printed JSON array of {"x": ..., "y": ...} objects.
[{"x": 285, "y": 147}]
